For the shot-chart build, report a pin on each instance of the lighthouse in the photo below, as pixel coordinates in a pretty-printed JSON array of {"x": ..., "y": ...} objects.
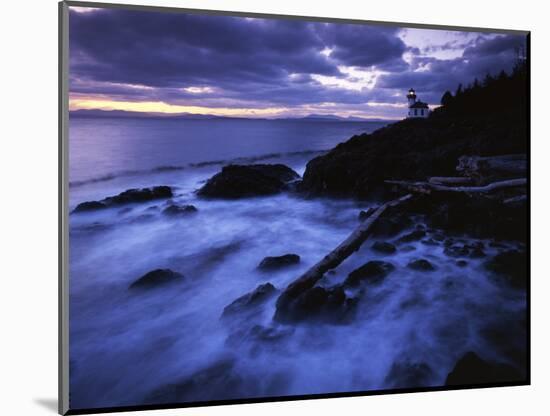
[{"x": 417, "y": 109}]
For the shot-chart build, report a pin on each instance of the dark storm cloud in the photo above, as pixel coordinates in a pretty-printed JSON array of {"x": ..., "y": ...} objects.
[
  {"x": 365, "y": 46},
  {"x": 169, "y": 49},
  {"x": 485, "y": 56},
  {"x": 145, "y": 56},
  {"x": 178, "y": 50}
]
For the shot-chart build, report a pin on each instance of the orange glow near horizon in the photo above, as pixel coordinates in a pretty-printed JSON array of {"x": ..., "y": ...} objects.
[
  {"x": 101, "y": 103},
  {"x": 163, "y": 107}
]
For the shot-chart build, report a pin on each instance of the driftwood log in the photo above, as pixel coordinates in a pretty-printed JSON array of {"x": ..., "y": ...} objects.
[
  {"x": 441, "y": 180},
  {"x": 335, "y": 257},
  {"x": 428, "y": 187}
]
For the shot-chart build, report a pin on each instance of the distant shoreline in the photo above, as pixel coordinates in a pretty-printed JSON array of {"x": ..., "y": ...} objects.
[{"x": 118, "y": 114}]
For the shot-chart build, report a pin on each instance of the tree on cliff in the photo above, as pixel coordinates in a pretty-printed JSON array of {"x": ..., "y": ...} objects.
[{"x": 447, "y": 98}]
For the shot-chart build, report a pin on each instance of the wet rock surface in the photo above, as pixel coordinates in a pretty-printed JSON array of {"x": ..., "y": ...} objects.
[
  {"x": 371, "y": 272},
  {"x": 279, "y": 262},
  {"x": 179, "y": 210},
  {"x": 471, "y": 369},
  {"x": 246, "y": 302},
  {"x": 421, "y": 265},
  {"x": 156, "y": 278},
  {"x": 317, "y": 304},
  {"x": 127, "y": 197},
  {"x": 412, "y": 236},
  {"x": 383, "y": 247},
  {"x": 241, "y": 181}
]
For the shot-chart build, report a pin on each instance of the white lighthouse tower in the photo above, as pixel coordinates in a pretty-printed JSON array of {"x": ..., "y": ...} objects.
[{"x": 417, "y": 109}]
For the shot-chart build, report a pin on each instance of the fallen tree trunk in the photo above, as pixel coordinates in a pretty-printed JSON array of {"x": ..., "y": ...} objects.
[
  {"x": 427, "y": 187},
  {"x": 440, "y": 180},
  {"x": 334, "y": 258}
]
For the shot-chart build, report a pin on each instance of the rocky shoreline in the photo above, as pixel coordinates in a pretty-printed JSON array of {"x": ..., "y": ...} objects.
[{"x": 447, "y": 164}]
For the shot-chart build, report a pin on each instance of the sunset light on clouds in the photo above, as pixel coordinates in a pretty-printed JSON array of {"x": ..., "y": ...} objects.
[{"x": 169, "y": 62}]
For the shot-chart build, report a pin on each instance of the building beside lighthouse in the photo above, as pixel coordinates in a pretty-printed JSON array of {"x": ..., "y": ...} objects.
[{"x": 417, "y": 109}]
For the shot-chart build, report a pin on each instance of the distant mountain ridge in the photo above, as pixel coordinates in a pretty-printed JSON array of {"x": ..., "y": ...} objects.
[{"x": 97, "y": 113}]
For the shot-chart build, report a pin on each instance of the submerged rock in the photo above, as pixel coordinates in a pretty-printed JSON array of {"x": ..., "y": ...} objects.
[
  {"x": 456, "y": 251},
  {"x": 127, "y": 197},
  {"x": 259, "y": 334},
  {"x": 474, "y": 250},
  {"x": 178, "y": 210},
  {"x": 512, "y": 266},
  {"x": 461, "y": 263},
  {"x": 250, "y": 300},
  {"x": 372, "y": 272},
  {"x": 421, "y": 264},
  {"x": 217, "y": 381},
  {"x": 317, "y": 304},
  {"x": 408, "y": 374},
  {"x": 278, "y": 262},
  {"x": 430, "y": 242},
  {"x": 155, "y": 278},
  {"x": 383, "y": 247},
  {"x": 471, "y": 369},
  {"x": 412, "y": 236},
  {"x": 241, "y": 181}
]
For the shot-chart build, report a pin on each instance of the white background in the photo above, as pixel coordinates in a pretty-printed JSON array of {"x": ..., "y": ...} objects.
[{"x": 28, "y": 209}]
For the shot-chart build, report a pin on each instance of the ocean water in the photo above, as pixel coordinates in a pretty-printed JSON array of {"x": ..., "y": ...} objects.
[{"x": 171, "y": 345}]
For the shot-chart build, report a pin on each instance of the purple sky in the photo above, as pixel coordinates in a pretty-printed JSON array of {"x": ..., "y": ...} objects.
[{"x": 175, "y": 62}]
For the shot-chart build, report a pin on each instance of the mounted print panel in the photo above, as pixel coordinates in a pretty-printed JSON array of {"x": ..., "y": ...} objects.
[{"x": 261, "y": 208}]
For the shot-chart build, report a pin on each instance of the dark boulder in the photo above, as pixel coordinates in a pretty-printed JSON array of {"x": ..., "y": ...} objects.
[
  {"x": 471, "y": 369},
  {"x": 241, "y": 181},
  {"x": 127, "y": 197},
  {"x": 250, "y": 300},
  {"x": 422, "y": 265},
  {"x": 461, "y": 263},
  {"x": 383, "y": 247},
  {"x": 155, "y": 278},
  {"x": 278, "y": 262},
  {"x": 512, "y": 266},
  {"x": 412, "y": 236},
  {"x": 177, "y": 210},
  {"x": 409, "y": 374},
  {"x": 372, "y": 272},
  {"x": 317, "y": 304},
  {"x": 89, "y": 206}
]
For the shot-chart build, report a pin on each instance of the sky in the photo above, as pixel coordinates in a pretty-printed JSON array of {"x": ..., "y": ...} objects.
[{"x": 255, "y": 67}]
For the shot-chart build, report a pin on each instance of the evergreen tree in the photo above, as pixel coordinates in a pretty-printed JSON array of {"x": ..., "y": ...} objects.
[
  {"x": 458, "y": 90},
  {"x": 488, "y": 80},
  {"x": 447, "y": 98}
]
